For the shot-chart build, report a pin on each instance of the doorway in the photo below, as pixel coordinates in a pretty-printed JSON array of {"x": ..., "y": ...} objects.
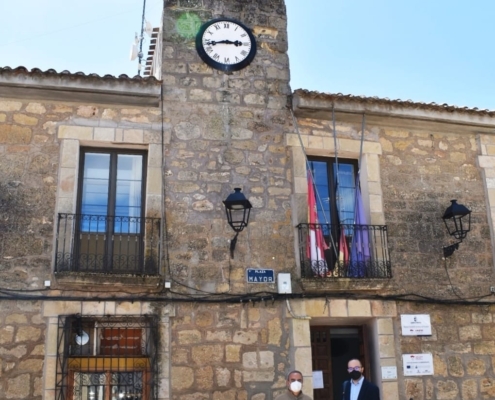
[{"x": 332, "y": 347}]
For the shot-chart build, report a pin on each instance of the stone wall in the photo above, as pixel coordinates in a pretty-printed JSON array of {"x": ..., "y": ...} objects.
[
  {"x": 22, "y": 350},
  {"x": 423, "y": 168},
  {"x": 463, "y": 352},
  {"x": 31, "y": 133},
  {"x": 222, "y": 131},
  {"x": 227, "y": 131},
  {"x": 410, "y": 170},
  {"x": 234, "y": 352},
  {"x": 30, "y": 136}
]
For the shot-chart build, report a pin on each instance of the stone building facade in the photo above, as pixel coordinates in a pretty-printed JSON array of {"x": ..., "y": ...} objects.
[{"x": 204, "y": 331}]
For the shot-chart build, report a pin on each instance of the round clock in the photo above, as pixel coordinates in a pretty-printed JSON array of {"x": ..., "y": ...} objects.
[{"x": 225, "y": 44}]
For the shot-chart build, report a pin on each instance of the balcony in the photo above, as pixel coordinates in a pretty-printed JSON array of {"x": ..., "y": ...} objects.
[
  {"x": 350, "y": 251},
  {"x": 107, "y": 244}
]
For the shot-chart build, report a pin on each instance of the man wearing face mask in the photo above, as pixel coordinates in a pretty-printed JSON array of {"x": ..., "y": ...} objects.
[
  {"x": 294, "y": 388},
  {"x": 358, "y": 388}
]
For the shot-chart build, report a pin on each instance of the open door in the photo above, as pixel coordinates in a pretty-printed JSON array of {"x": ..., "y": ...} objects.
[{"x": 332, "y": 347}]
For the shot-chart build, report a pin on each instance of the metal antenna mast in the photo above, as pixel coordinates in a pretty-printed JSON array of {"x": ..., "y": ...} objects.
[{"x": 140, "y": 54}]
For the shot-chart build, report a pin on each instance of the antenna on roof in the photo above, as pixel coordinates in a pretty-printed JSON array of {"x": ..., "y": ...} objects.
[
  {"x": 148, "y": 28},
  {"x": 141, "y": 38},
  {"x": 137, "y": 44},
  {"x": 134, "y": 48}
]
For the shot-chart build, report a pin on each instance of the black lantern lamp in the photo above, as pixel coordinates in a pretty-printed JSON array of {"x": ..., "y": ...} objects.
[
  {"x": 457, "y": 219},
  {"x": 238, "y": 209}
]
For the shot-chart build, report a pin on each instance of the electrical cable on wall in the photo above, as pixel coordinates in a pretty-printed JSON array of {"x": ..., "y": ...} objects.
[
  {"x": 293, "y": 315},
  {"x": 258, "y": 297}
]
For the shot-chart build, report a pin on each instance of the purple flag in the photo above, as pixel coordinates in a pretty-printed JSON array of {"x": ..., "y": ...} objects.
[{"x": 360, "y": 246}]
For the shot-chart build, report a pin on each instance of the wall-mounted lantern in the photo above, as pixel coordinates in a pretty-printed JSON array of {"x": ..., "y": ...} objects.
[
  {"x": 238, "y": 209},
  {"x": 457, "y": 219}
]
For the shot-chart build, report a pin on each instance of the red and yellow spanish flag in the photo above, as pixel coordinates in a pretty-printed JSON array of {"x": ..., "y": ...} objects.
[{"x": 316, "y": 241}]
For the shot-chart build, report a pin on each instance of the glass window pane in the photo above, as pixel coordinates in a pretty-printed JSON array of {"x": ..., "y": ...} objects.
[
  {"x": 95, "y": 187},
  {"x": 322, "y": 190},
  {"x": 128, "y": 193},
  {"x": 127, "y": 385},
  {"x": 89, "y": 386},
  {"x": 346, "y": 192},
  {"x": 129, "y": 167}
]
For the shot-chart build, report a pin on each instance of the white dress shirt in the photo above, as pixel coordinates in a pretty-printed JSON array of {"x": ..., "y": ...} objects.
[{"x": 356, "y": 388}]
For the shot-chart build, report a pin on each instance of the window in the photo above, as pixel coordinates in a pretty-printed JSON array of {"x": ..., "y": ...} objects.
[
  {"x": 109, "y": 233},
  {"x": 336, "y": 189},
  {"x": 111, "y": 185},
  {"x": 341, "y": 243},
  {"x": 107, "y": 358}
]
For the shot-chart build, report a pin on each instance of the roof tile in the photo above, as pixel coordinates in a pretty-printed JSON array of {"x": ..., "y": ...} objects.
[
  {"x": 387, "y": 102},
  {"x": 149, "y": 80}
]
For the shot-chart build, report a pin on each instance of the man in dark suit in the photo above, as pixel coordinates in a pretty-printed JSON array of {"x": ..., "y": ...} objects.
[{"x": 358, "y": 388}]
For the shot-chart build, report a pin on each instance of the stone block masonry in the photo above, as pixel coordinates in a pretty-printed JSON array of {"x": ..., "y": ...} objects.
[
  {"x": 22, "y": 350},
  {"x": 33, "y": 170},
  {"x": 228, "y": 351},
  {"x": 227, "y": 131}
]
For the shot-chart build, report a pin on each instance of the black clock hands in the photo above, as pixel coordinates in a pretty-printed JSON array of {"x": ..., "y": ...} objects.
[{"x": 237, "y": 43}]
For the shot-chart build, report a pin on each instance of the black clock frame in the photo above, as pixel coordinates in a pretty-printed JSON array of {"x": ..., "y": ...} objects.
[{"x": 215, "y": 64}]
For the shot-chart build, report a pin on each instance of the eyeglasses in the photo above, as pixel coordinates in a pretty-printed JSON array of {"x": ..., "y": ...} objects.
[{"x": 350, "y": 369}]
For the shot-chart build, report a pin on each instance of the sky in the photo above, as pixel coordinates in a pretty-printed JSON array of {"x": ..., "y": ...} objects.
[{"x": 422, "y": 50}]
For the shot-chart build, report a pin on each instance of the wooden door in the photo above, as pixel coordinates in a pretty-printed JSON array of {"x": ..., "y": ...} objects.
[
  {"x": 331, "y": 348},
  {"x": 322, "y": 361}
]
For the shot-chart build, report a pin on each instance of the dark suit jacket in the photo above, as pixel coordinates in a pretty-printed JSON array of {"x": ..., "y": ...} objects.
[{"x": 368, "y": 391}]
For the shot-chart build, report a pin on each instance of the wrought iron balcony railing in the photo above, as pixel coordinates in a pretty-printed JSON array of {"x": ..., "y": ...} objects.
[
  {"x": 344, "y": 251},
  {"x": 107, "y": 244}
]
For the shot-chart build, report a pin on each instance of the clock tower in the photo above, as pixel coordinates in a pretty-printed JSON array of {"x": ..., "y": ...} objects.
[{"x": 225, "y": 74}]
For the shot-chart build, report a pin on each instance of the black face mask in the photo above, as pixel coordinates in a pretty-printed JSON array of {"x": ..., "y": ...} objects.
[{"x": 355, "y": 375}]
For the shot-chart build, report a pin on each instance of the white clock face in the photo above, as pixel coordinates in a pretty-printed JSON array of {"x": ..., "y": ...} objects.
[{"x": 227, "y": 44}]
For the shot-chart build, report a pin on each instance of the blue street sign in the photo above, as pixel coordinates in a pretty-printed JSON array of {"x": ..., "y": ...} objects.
[{"x": 260, "y": 275}]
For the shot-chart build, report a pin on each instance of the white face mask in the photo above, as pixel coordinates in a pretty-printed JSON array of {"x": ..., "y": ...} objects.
[{"x": 295, "y": 386}]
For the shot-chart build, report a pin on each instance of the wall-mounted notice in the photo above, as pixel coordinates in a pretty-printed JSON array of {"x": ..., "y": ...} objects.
[
  {"x": 415, "y": 324},
  {"x": 417, "y": 364},
  {"x": 318, "y": 380},
  {"x": 389, "y": 372}
]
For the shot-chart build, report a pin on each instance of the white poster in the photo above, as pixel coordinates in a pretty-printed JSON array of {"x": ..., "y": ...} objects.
[
  {"x": 389, "y": 372},
  {"x": 417, "y": 364},
  {"x": 415, "y": 324},
  {"x": 318, "y": 380}
]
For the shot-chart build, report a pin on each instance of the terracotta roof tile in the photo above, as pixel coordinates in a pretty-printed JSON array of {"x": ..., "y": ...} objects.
[
  {"x": 387, "y": 102},
  {"x": 149, "y": 80}
]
